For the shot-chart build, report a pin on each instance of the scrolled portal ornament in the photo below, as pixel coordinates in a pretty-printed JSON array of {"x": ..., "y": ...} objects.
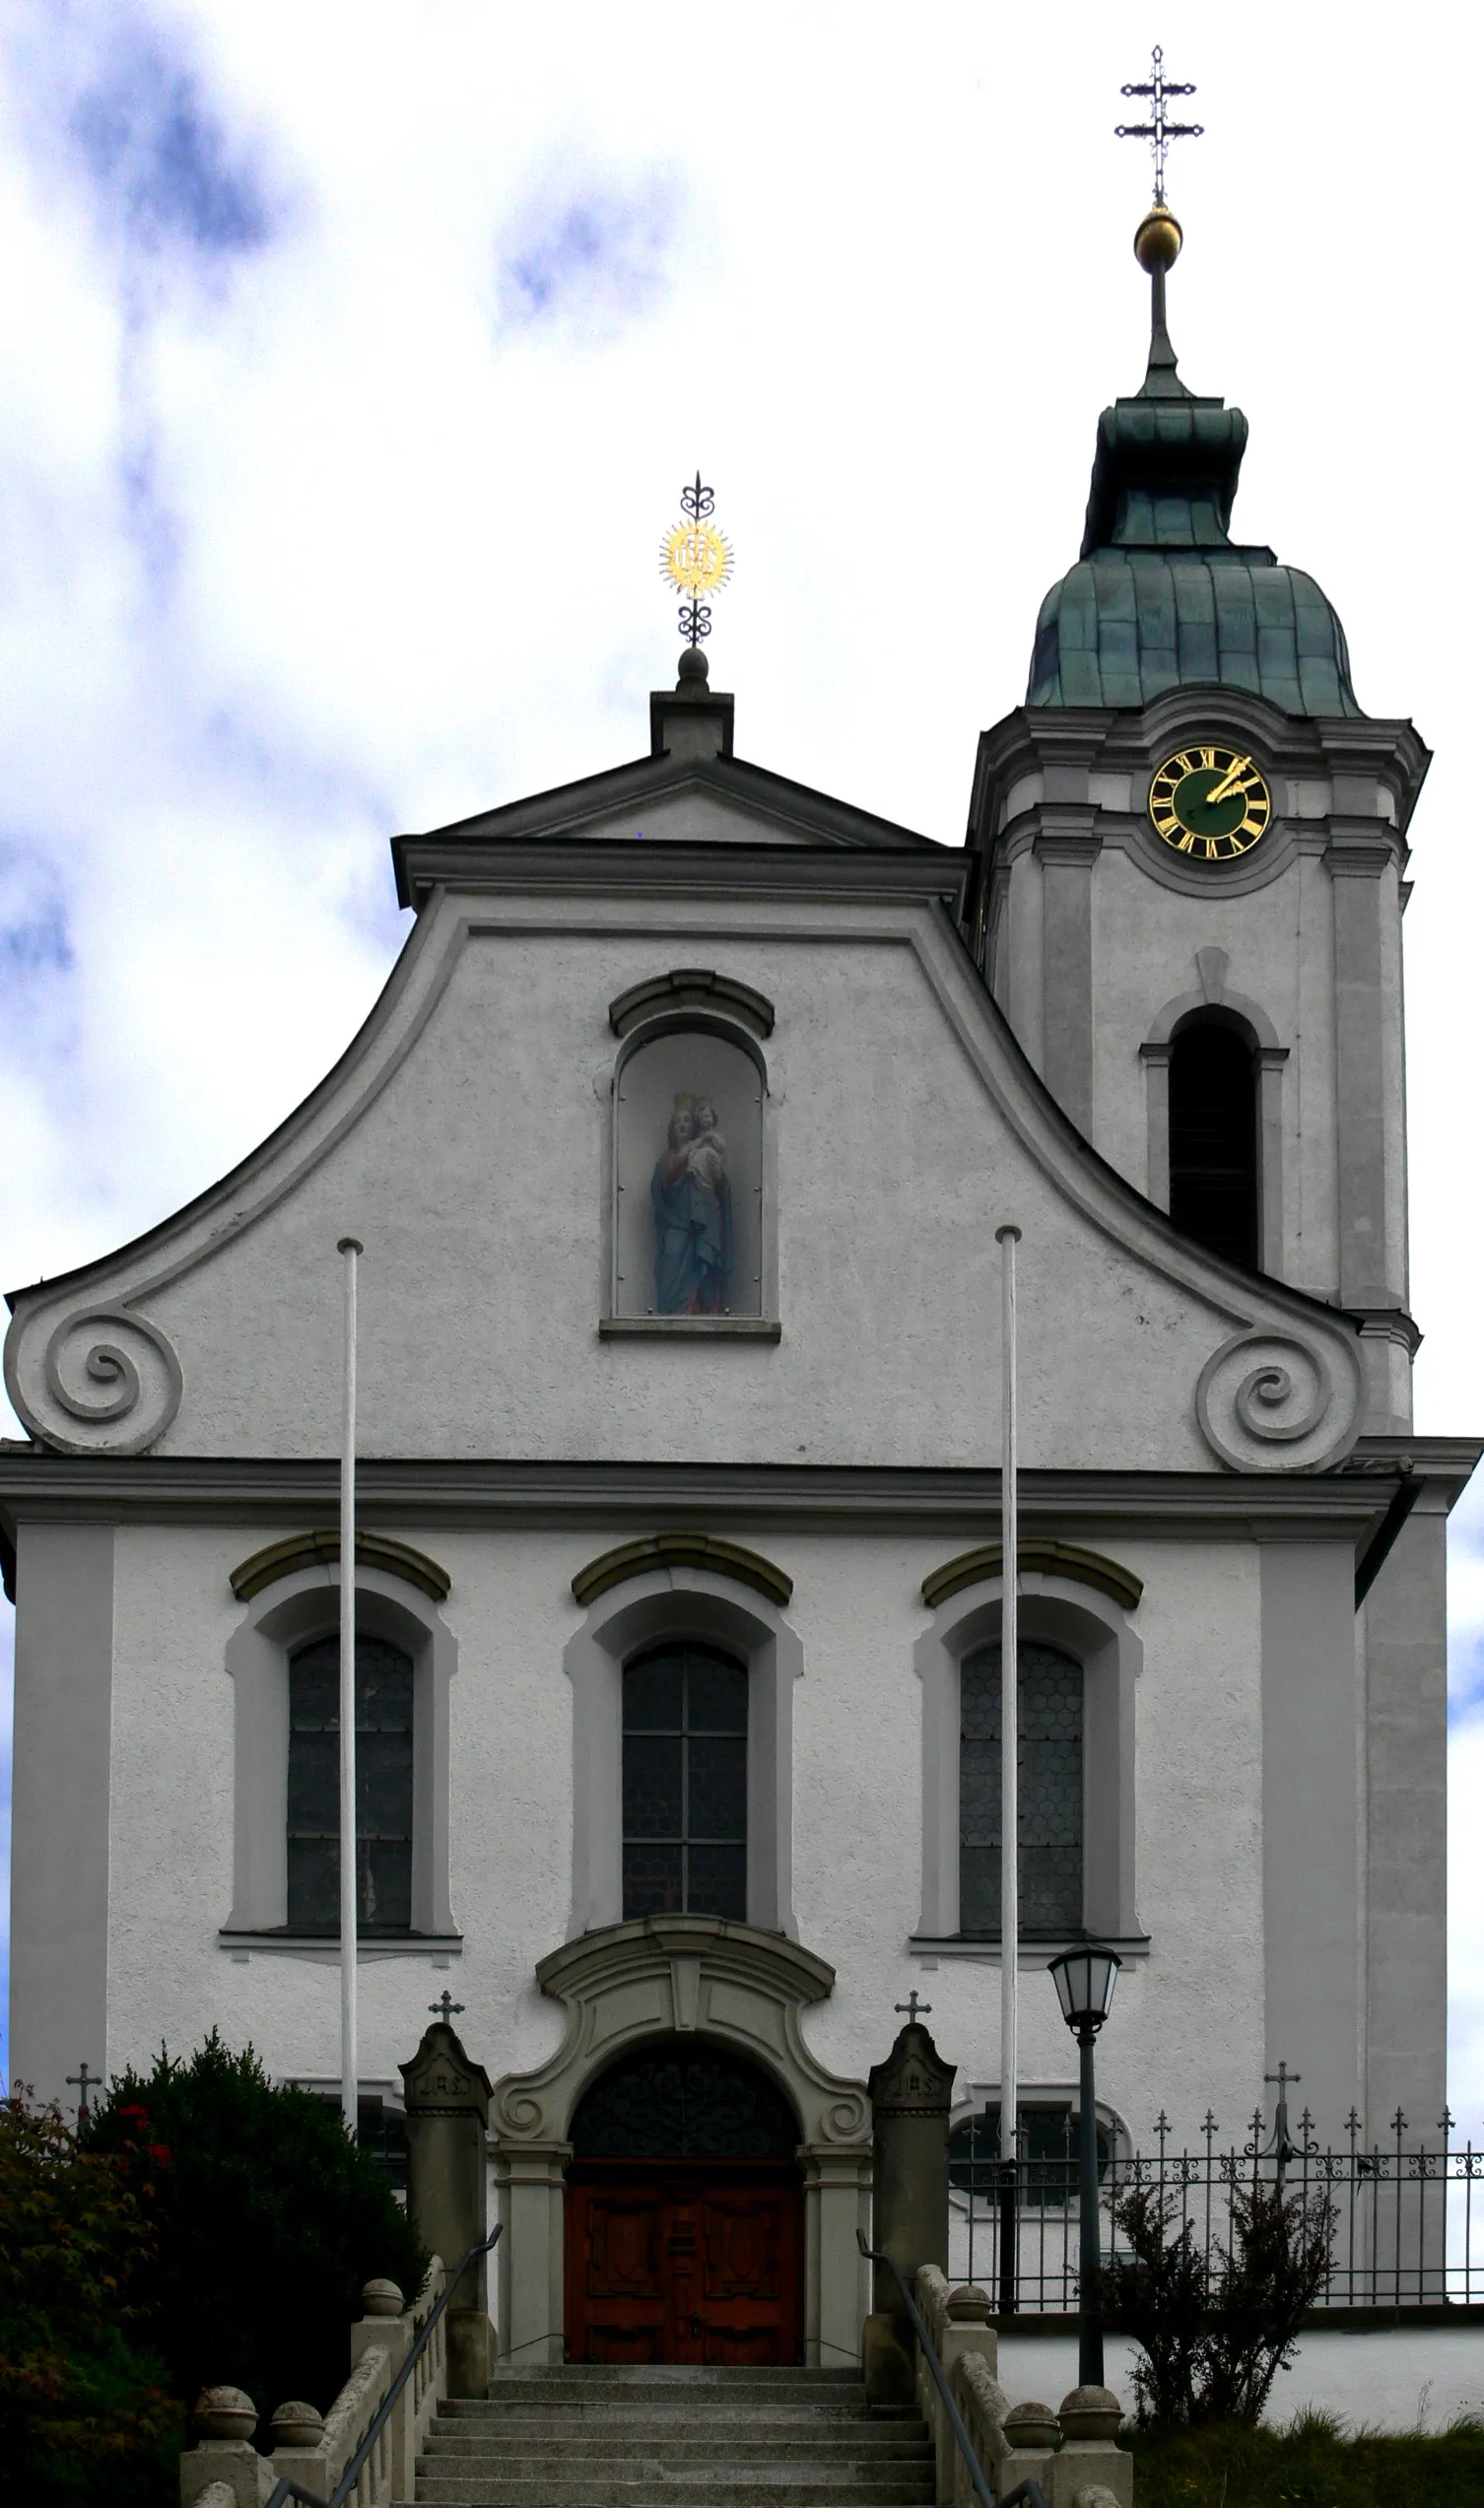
[
  {"x": 692, "y": 1198},
  {"x": 697, "y": 559}
]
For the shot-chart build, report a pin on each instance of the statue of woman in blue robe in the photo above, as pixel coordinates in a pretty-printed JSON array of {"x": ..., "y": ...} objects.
[{"x": 693, "y": 1214}]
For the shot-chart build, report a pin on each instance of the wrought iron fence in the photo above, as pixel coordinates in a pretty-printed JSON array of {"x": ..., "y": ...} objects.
[{"x": 1409, "y": 2215}]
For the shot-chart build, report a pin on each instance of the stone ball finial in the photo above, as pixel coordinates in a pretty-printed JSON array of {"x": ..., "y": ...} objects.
[
  {"x": 695, "y": 670},
  {"x": 1091, "y": 2411},
  {"x": 1158, "y": 240},
  {"x": 969, "y": 2305},
  {"x": 1032, "y": 2425},
  {"x": 1094, "y": 2494},
  {"x": 296, "y": 2425},
  {"x": 225, "y": 2412},
  {"x": 381, "y": 2298}
]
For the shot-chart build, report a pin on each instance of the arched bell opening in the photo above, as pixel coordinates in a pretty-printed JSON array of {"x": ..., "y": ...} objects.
[
  {"x": 1214, "y": 1192},
  {"x": 685, "y": 2218}
]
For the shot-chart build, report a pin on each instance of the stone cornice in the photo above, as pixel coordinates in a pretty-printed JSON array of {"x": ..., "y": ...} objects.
[
  {"x": 36, "y": 1486},
  {"x": 563, "y": 865}
]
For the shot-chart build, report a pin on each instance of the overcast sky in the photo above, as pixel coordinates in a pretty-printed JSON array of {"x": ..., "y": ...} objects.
[{"x": 353, "y": 357}]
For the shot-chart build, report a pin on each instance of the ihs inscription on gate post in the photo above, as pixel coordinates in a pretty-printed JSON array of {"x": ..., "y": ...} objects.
[
  {"x": 911, "y": 2094},
  {"x": 447, "y": 2102}
]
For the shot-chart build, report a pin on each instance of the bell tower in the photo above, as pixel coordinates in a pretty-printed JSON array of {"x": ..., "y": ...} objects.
[{"x": 1191, "y": 854}]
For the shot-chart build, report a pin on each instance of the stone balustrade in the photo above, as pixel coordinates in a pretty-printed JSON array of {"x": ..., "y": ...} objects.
[
  {"x": 223, "y": 2469},
  {"x": 1072, "y": 2454}
]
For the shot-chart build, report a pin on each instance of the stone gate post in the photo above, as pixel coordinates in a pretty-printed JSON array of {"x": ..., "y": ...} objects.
[
  {"x": 910, "y": 2099},
  {"x": 447, "y": 2099}
]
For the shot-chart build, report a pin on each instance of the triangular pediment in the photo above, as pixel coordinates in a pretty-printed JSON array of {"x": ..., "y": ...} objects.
[{"x": 659, "y": 800}]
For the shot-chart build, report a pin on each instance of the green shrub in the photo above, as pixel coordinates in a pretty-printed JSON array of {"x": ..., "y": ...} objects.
[
  {"x": 1214, "y": 2335},
  {"x": 267, "y": 2220},
  {"x": 83, "y": 2415}
]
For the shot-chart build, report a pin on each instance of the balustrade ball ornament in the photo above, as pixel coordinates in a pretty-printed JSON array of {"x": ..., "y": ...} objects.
[
  {"x": 1091, "y": 2411},
  {"x": 969, "y": 2305},
  {"x": 296, "y": 2425},
  {"x": 381, "y": 2299},
  {"x": 1032, "y": 2425},
  {"x": 1094, "y": 2494},
  {"x": 225, "y": 2412}
]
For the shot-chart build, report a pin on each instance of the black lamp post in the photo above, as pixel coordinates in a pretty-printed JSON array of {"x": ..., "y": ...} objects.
[{"x": 1085, "y": 1977}]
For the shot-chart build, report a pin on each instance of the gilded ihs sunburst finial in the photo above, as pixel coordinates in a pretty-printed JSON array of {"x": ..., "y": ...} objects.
[{"x": 695, "y": 558}]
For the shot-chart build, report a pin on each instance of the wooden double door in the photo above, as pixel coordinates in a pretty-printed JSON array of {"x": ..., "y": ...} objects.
[{"x": 684, "y": 2259}]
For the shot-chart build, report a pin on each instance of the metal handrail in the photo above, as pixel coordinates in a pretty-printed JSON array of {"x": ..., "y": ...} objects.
[
  {"x": 1029, "y": 2492},
  {"x": 286, "y": 2488}
]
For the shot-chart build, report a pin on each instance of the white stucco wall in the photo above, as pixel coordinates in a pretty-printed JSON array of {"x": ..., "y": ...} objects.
[{"x": 856, "y": 1810}]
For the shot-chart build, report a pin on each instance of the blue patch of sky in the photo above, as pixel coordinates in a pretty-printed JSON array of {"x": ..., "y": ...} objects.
[
  {"x": 36, "y": 958},
  {"x": 161, "y": 162},
  {"x": 596, "y": 255}
]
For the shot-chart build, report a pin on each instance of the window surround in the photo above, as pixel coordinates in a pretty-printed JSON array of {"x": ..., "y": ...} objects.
[
  {"x": 1221, "y": 1008},
  {"x": 282, "y": 1616},
  {"x": 686, "y": 1009},
  {"x": 1065, "y": 1611},
  {"x": 675, "y": 1604}
]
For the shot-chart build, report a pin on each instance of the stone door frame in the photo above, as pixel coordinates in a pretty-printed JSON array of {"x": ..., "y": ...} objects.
[{"x": 738, "y": 1988}]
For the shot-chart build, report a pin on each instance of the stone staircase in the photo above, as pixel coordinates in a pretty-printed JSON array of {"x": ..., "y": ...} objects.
[{"x": 691, "y": 2438}]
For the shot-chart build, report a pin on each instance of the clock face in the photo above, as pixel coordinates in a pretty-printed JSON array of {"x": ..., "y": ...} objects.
[{"x": 1210, "y": 802}]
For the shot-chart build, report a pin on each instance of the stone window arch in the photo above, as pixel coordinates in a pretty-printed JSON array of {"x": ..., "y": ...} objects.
[
  {"x": 295, "y": 1611},
  {"x": 1078, "y": 1609},
  {"x": 690, "y": 1234}
]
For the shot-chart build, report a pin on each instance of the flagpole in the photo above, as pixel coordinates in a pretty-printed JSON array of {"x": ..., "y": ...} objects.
[
  {"x": 1010, "y": 1690},
  {"x": 350, "y": 2058}
]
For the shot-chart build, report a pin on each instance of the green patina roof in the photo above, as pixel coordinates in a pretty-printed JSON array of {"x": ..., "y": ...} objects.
[{"x": 1159, "y": 596}]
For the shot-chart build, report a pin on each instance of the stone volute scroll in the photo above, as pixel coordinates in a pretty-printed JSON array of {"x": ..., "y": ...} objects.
[
  {"x": 1268, "y": 1401},
  {"x": 104, "y": 1381},
  {"x": 447, "y": 2102},
  {"x": 911, "y": 2094}
]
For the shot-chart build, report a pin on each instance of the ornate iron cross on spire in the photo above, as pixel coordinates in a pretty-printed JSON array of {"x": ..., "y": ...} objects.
[
  {"x": 912, "y": 2006},
  {"x": 445, "y": 2008},
  {"x": 1158, "y": 130}
]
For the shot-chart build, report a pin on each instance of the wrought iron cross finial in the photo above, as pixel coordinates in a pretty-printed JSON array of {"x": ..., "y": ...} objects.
[
  {"x": 912, "y": 2006},
  {"x": 83, "y": 2081},
  {"x": 697, "y": 559},
  {"x": 445, "y": 2007},
  {"x": 1158, "y": 130},
  {"x": 1283, "y": 2077}
]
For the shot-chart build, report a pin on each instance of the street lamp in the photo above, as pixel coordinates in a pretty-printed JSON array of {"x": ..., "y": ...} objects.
[{"x": 1085, "y": 1977}]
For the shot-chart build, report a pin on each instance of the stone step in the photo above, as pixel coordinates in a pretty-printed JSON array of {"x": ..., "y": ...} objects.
[
  {"x": 789, "y": 2490},
  {"x": 865, "y": 2446}
]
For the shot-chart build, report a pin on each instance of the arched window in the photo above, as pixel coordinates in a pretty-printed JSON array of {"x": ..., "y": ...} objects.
[
  {"x": 1049, "y": 1764},
  {"x": 685, "y": 1783},
  {"x": 1213, "y": 1139},
  {"x": 384, "y": 1787}
]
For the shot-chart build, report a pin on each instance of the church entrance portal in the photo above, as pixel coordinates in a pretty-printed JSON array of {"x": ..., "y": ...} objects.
[{"x": 685, "y": 2213}]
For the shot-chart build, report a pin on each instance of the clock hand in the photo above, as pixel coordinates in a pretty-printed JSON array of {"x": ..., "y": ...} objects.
[{"x": 1232, "y": 781}]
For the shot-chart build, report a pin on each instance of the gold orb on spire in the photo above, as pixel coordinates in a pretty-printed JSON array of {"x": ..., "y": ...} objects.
[{"x": 1158, "y": 239}]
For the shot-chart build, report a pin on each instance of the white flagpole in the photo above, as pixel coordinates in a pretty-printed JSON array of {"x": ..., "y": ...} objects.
[
  {"x": 350, "y": 2058},
  {"x": 1009, "y": 1722}
]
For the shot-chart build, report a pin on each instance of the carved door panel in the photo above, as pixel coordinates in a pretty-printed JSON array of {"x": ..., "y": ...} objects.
[
  {"x": 616, "y": 2278},
  {"x": 683, "y": 2264}
]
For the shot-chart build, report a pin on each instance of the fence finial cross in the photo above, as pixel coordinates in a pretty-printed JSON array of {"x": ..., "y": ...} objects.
[
  {"x": 912, "y": 2006},
  {"x": 445, "y": 2007},
  {"x": 83, "y": 2081}
]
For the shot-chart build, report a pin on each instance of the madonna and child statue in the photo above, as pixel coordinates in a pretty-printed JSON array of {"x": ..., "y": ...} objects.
[{"x": 692, "y": 1213}]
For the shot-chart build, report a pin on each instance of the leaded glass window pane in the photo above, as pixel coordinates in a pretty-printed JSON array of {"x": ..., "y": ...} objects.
[
  {"x": 383, "y": 1787},
  {"x": 1049, "y": 1764},
  {"x": 685, "y": 1784}
]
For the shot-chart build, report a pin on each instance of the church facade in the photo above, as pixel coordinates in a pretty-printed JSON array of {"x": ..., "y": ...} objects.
[{"x": 677, "y": 1144}]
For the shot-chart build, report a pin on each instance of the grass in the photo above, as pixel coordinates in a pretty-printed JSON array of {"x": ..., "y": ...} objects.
[{"x": 1313, "y": 2461}]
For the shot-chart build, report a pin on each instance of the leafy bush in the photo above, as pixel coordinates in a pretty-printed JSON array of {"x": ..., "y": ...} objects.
[
  {"x": 267, "y": 2219},
  {"x": 1214, "y": 2337},
  {"x": 82, "y": 2414}
]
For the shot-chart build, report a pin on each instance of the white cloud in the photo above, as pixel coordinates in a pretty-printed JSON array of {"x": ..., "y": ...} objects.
[{"x": 355, "y": 358}]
